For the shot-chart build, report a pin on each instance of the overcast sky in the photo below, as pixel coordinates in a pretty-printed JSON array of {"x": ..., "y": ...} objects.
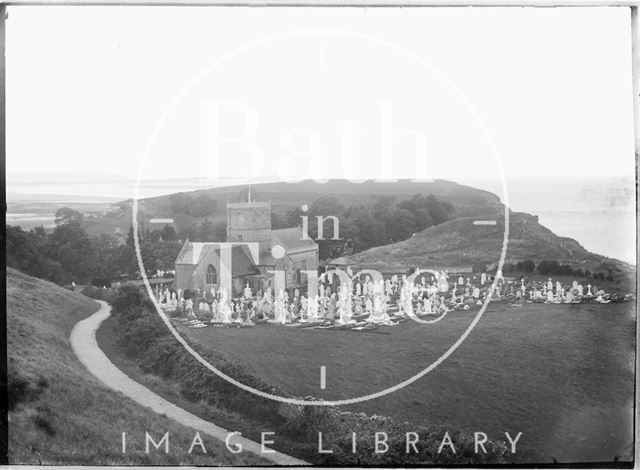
[{"x": 447, "y": 93}]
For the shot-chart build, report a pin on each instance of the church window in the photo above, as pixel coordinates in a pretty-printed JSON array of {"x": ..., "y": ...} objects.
[{"x": 212, "y": 275}]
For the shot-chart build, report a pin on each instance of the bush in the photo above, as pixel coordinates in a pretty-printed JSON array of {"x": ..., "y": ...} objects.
[
  {"x": 547, "y": 267},
  {"x": 528, "y": 266},
  {"x": 98, "y": 282},
  {"x": 98, "y": 293},
  {"x": 188, "y": 294},
  {"x": 508, "y": 267}
]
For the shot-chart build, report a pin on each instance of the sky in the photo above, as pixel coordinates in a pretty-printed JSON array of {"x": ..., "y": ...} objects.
[{"x": 224, "y": 94}]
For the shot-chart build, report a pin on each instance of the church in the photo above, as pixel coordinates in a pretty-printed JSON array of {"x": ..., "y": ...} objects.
[{"x": 259, "y": 250}]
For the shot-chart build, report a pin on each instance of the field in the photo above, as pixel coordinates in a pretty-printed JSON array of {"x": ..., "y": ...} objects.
[
  {"x": 59, "y": 414},
  {"x": 563, "y": 375}
]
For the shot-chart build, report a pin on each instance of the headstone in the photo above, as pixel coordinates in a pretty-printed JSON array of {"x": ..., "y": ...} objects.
[
  {"x": 569, "y": 296},
  {"x": 247, "y": 292}
]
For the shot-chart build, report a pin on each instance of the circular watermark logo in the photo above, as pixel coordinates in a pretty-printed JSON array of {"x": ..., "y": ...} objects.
[{"x": 381, "y": 57}]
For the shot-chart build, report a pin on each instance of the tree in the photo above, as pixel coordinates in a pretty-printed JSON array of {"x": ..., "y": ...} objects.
[
  {"x": 528, "y": 266},
  {"x": 66, "y": 214},
  {"x": 169, "y": 233},
  {"x": 278, "y": 222},
  {"x": 220, "y": 232},
  {"x": 326, "y": 206},
  {"x": 23, "y": 253},
  {"x": 70, "y": 245},
  {"x": 197, "y": 204},
  {"x": 202, "y": 205},
  {"x": 106, "y": 249},
  {"x": 403, "y": 225},
  {"x": 206, "y": 231},
  {"x": 547, "y": 267}
]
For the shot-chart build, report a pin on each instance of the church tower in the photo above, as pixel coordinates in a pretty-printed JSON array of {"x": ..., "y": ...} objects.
[{"x": 249, "y": 222}]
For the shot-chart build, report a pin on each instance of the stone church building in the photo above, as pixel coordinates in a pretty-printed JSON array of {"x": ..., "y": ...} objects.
[{"x": 205, "y": 265}]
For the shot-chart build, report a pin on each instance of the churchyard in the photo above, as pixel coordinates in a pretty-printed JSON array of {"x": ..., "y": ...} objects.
[{"x": 548, "y": 358}]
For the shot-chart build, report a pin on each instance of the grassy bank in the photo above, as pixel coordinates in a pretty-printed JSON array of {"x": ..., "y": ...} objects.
[{"x": 59, "y": 413}]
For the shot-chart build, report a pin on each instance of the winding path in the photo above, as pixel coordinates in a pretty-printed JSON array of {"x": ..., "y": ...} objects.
[{"x": 85, "y": 347}]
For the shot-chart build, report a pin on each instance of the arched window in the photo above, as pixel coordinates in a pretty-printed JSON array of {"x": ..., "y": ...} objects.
[{"x": 212, "y": 275}]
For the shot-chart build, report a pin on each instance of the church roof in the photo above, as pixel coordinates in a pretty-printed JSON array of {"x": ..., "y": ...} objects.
[
  {"x": 241, "y": 259},
  {"x": 292, "y": 241}
]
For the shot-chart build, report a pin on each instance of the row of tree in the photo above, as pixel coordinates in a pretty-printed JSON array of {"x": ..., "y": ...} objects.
[
  {"x": 554, "y": 268},
  {"x": 67, "y": 253},
  {"x": 361, "y": 227}
]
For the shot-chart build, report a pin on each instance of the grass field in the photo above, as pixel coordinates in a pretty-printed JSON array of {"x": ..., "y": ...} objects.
[
  {"x": 59, "y": 413},
  {"x": 561, "y": 374}
]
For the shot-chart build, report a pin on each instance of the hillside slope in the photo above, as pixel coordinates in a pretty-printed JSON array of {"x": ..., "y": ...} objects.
[
  {"x": 59, "y": 413},
  {"x": 286, "y": 196},
  {"x": 460, "y": 242}
]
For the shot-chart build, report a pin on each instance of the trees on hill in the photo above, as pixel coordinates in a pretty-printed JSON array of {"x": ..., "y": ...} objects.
[
  {"x": 552, "y": 267},
  {"x": 365, "y": 226},
  {"x": 527, "y": 266},
  {"x": 66, "y": 214},
  {"x": 68, "y": 254},
  {"x": 196, "y": 205}
]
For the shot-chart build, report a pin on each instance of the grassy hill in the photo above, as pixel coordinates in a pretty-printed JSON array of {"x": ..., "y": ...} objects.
[
  {"x": 59, "y": 413},
  {"x": 287, "y": 196},
  {"x": 461, "y": 243}
]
